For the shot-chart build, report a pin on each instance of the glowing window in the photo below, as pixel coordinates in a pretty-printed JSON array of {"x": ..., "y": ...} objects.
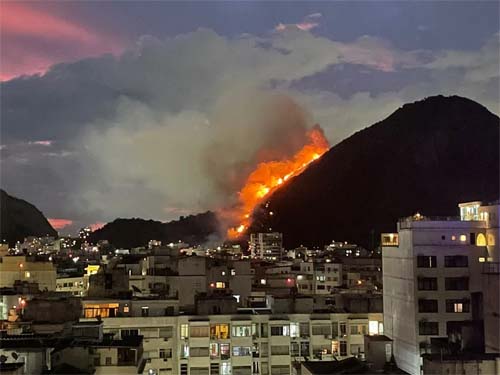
[
  {"x": 184, "y": 331},
  {"x": 482, "y": 259},
  {"x": 463, "y": 238},
  {"x": 27, "y": 274},
  {"x": 373, "y": 327},
  {"x": 491, "y": 239},
  {"x": 126, "y": 309},
  {"x": 453, "y": 238},
  {"x": 480, "y": 240},
  {"x": 220, "y": 285},
  {"x": 263, "y": 281}
]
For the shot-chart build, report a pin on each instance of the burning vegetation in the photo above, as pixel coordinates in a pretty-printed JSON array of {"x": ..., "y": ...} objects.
[{"x": 268, "y": 176}]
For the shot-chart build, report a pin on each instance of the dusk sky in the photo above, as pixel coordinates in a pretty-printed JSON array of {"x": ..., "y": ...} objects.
[{"x": 155, "y": 109}]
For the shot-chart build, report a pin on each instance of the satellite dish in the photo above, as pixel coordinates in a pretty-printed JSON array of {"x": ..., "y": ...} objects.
[
  {"x": 14, "y": 355},
  {"x": 3, "y": 359}
]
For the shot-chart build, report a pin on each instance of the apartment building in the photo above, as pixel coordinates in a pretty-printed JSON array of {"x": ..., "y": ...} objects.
[
  {"x": 267, "y": 246},
  {"x": 433, "y": 286},
  {"x": 319, "y": 277},
  {"x": 241, "y": 344},
  {"x": 23, "y": 268}
]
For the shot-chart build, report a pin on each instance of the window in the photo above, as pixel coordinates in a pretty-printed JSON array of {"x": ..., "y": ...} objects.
[
  {"x": 456, "y": 283},
  {"x": 145, "y": 311},
  {"x": 373, "y": 327},
  {"x": 108, "y": 361},
  {"x": 214, "y": 368},
  {"x": 304, "y": 349},
  {"x": 242, "y": 351},
  {"x": 335, "y": 329},
  {"x": 198, "y": 352},
  {"x": 198, "y": 331},
  {"x": 463, "y": 238},
  {"x": 321, "y": 329},
  {"x": 343, "y": 329},
  {"x": 280, "y": 330},
  {"x": 241, "y": 331},
  {"x": 335, "y": 347},
  {"x": 304, "y": 329},
  {"x": 165, "y": 353},
  {"x": 280, "y": 350},
  {"x": 214, "y": 350},
  {"x": 233, "y": 272},
  {"x": 343, "y": 348},
  {"x": 358, "y": 329},
  {"x": 219, "y": 331},
  {"x": 166, "y": 332},
  {"x": 320, "y": 278},
  {"x": 295, "y": 349},
  {"x": 427, "y": 306},
  {"x": 456, "y": 261},
  {"x": 184, "y": 351},
  {"x": 126, "y": 309},
  {"x": 427, "y": 283},
  {"x": 426, "y": 261},
  {"x": 480, "y": 240},
  {"x": 220, "y": 285},
  {"x": 224, "y": 351},
  {"x": 294, "y": 330},
  {"x": 27, "y": 274},
  {"x": 320, "y": 287},
  {"x": 129, "y": 332},
  {"x": 184, "y": 331},
  {"x": 225, "y": 368},
  {"x": 472, "y": 237},
  {"x": 457, "y": 305},
  {"x": 428, "y": 328}
]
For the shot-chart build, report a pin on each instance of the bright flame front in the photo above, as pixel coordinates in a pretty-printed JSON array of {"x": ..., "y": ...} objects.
[{"x": 270, "y": 175}]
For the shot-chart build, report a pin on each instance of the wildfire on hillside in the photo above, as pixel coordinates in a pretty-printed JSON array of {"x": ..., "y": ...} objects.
[{"x": 268, "y": 176}]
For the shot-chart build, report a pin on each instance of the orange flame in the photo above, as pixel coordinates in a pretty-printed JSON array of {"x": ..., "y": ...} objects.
[{"x": 268, "y": 176}]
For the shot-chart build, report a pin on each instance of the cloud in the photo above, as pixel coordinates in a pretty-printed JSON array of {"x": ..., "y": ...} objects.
[
  {"x": 174, "y": 125},
  {"x": 58, "y": 224},
  {"x": 307, "y": 24},
  {"x": 33, "y": 40}
]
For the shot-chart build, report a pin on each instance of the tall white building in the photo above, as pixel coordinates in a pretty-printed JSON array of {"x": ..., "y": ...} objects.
[
  {"x": 433, "y": 281},
  {"x": 266, "y": 245}
]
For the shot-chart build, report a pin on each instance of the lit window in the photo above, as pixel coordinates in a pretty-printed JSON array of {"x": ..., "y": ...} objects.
[
  {"x": 233, "y": 272},
  {"x": 27, "y": 274},
  {"x": 480, "y": 240},
  {"x": 263, "y": 281},
  {"x": 373, "y": 327},
  {"x": 223, "y": 273},
  {"x": 463, "y": 238},
  {"x": 458, "y": 307},
  {"x": 220, "y": 285},
  {"x": 184, "y": 331},
  {"x": 126, "y": 309},
  {"x": 482, "y": 259},
  {"x": 453, "y": 238}
]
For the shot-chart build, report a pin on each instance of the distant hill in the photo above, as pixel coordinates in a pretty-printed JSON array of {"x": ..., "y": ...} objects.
[
  {"x": 128, "y": 233},
  {"x": 20, "y": 219},
  {"x": 427, "y": 157}
]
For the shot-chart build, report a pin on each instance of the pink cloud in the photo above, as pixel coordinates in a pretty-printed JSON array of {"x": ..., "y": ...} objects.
[
  {"x": 306, "y": 26},
  {"x": 59, "y": 223},
  {"x": 25, "y": 29},
  {"x": 96, "y": 226},
  {"x": 45, "y": 143}
]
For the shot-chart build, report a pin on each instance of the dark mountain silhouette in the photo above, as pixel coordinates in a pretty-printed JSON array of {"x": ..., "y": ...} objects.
[
  {"x": 426, "y": 157},
  {"x": 128, "y": 233},
  {"x": 20, "y": 219}
]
